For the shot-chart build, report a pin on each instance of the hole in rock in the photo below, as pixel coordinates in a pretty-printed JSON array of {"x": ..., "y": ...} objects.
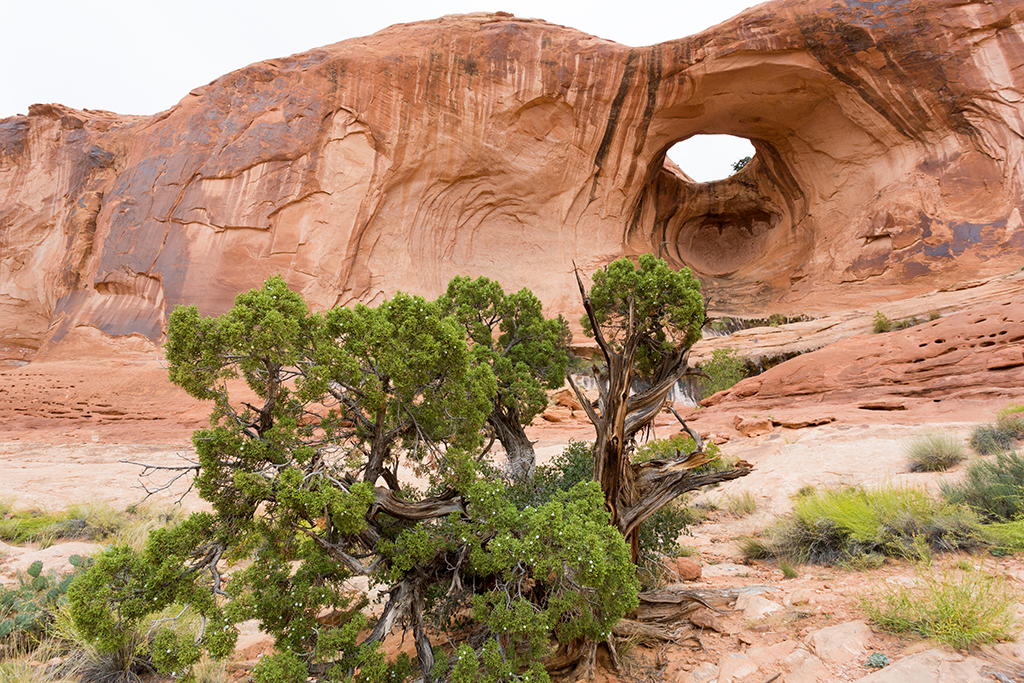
[{"x": 707, "y": 158}]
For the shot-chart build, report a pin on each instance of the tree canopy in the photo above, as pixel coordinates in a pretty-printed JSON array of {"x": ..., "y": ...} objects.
[
  {"x": 527, "y": 352},
  {"x": 349, "y": 443}
]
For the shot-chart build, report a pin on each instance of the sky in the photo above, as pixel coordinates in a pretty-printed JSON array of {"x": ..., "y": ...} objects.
[{"x": 143, "y": 56}]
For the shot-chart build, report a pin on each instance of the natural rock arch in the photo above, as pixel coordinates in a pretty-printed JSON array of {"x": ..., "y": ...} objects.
[{"x": 889, "y": 140}]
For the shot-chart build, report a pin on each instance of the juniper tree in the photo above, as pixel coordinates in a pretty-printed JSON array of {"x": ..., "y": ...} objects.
[
  {"x": 320, "y": 423},
  {"x": 527, "y": 352},
  {"x": 644, "y": 318}
]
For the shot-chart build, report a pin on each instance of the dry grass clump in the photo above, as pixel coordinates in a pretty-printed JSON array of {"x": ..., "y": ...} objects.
[
  {"x": 740, "y": 504},
  {"x": 934, "y": 453}
]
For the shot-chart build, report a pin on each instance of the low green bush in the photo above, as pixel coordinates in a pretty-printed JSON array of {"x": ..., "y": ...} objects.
[
  {"x": 724, "y": 369},
  {"x": 659, "y": 535},
  {"x": 934, "y": 452},
  {"x": 960, "y": 608},
  {"x": 1010, "y": 421},
  {"x": 856, "y": 526},
  {"x": 992, "y": 488},
  {"x": 882, "y": 323}
]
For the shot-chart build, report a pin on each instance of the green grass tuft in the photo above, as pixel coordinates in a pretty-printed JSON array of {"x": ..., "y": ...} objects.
[
  {"x": 934, "y": 453},
  {"x": 962, "y": 609},
  {"x": 852, "y": 525},
  {"x": 740, "y": 504}
]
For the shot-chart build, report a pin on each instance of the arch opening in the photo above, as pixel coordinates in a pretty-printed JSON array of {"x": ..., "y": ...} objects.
[{"x": 707, "y": 158}]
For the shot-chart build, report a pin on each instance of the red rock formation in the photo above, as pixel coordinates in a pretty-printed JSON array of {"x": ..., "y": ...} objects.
[
  {"x": 889, "y": 139},
  {"x": 974, "y": 355}
]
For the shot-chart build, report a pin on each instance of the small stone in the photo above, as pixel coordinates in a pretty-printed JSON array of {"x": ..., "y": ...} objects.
[
  {"x": 706, "y": 619},
  {"x": 756, "y": 607},
  {"x": 840, "y": 643},
  {"x": 682, "y": 568}
]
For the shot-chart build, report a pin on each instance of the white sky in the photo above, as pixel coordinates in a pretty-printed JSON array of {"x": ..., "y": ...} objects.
[{"x": 142, "y": 56}]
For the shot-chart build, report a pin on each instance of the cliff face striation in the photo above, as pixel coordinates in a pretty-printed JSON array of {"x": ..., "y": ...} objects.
[{"x": 889, "y": 138}]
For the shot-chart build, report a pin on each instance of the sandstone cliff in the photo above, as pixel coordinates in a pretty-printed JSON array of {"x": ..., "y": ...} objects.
[{"x": 889, "y": 141}]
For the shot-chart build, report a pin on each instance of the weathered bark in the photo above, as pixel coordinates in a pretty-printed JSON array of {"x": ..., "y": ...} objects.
[
  {"x": 518, "y": 447},
  {"x": 634, "y": 492}
]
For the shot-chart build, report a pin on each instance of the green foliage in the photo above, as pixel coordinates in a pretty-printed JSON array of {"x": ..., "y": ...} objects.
[
  {"x": 281, "y": 667},
  {"x": 725, "y": 368},
  {"x": 303, "y": 482},
  {"x": 934, "y": 452},
  {"x": 1010, "y": 420},
  {"x": 877, "y": 660},
  {"x": 882, "y": 323},
  {"x": 740, "y": 164},
  {"x": 962, "y": 609},
  {"x": 989, "y": 439},
  {"x": 508, "y": 332},
  {"x": 853, "y": 525},
  {"x": 667, "y": 307},
  {"x": 992, "y": 488},
  {"x": 1005, "y": 538},
  {"x": 27, "y": 610}
]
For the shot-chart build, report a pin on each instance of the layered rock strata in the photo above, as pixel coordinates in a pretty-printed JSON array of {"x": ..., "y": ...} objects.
[{"x": 889, "y": 139}]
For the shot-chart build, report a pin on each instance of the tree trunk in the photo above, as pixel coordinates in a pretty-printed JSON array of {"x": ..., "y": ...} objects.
[{"x": 518, "y": 447}]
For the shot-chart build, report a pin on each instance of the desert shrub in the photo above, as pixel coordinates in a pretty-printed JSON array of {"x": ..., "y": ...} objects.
[
  {"x": 882, "y": 323},
  {"x": 724, "y": 369},
  {"x": 93, "y": 520},
  {"x": 934, "y": 452},
  {"x": 776, "y": 320},
  {"x": 1010, "y": 421},
  {"x": 961, "y": 608},
  {"x": 993, "y": 488},
  {"x": 853, "y": 525},
  {"x": 1005, "y": 538},
  {"x": 988, "y": 439}
]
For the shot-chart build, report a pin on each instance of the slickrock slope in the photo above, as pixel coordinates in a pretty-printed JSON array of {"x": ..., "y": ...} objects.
[
  {"x": 941, "y": 367},
  {"x": 889, "y": 140}
]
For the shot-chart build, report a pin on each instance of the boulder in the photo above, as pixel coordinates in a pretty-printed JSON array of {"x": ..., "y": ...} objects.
[
  {"x": 753, "y": 426},
  {"x": 755, "y": 607},
  {"x": 933, "y": 666},
  {"x": 682, "y": 568},
  {"x": 841, "y": 643}
]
